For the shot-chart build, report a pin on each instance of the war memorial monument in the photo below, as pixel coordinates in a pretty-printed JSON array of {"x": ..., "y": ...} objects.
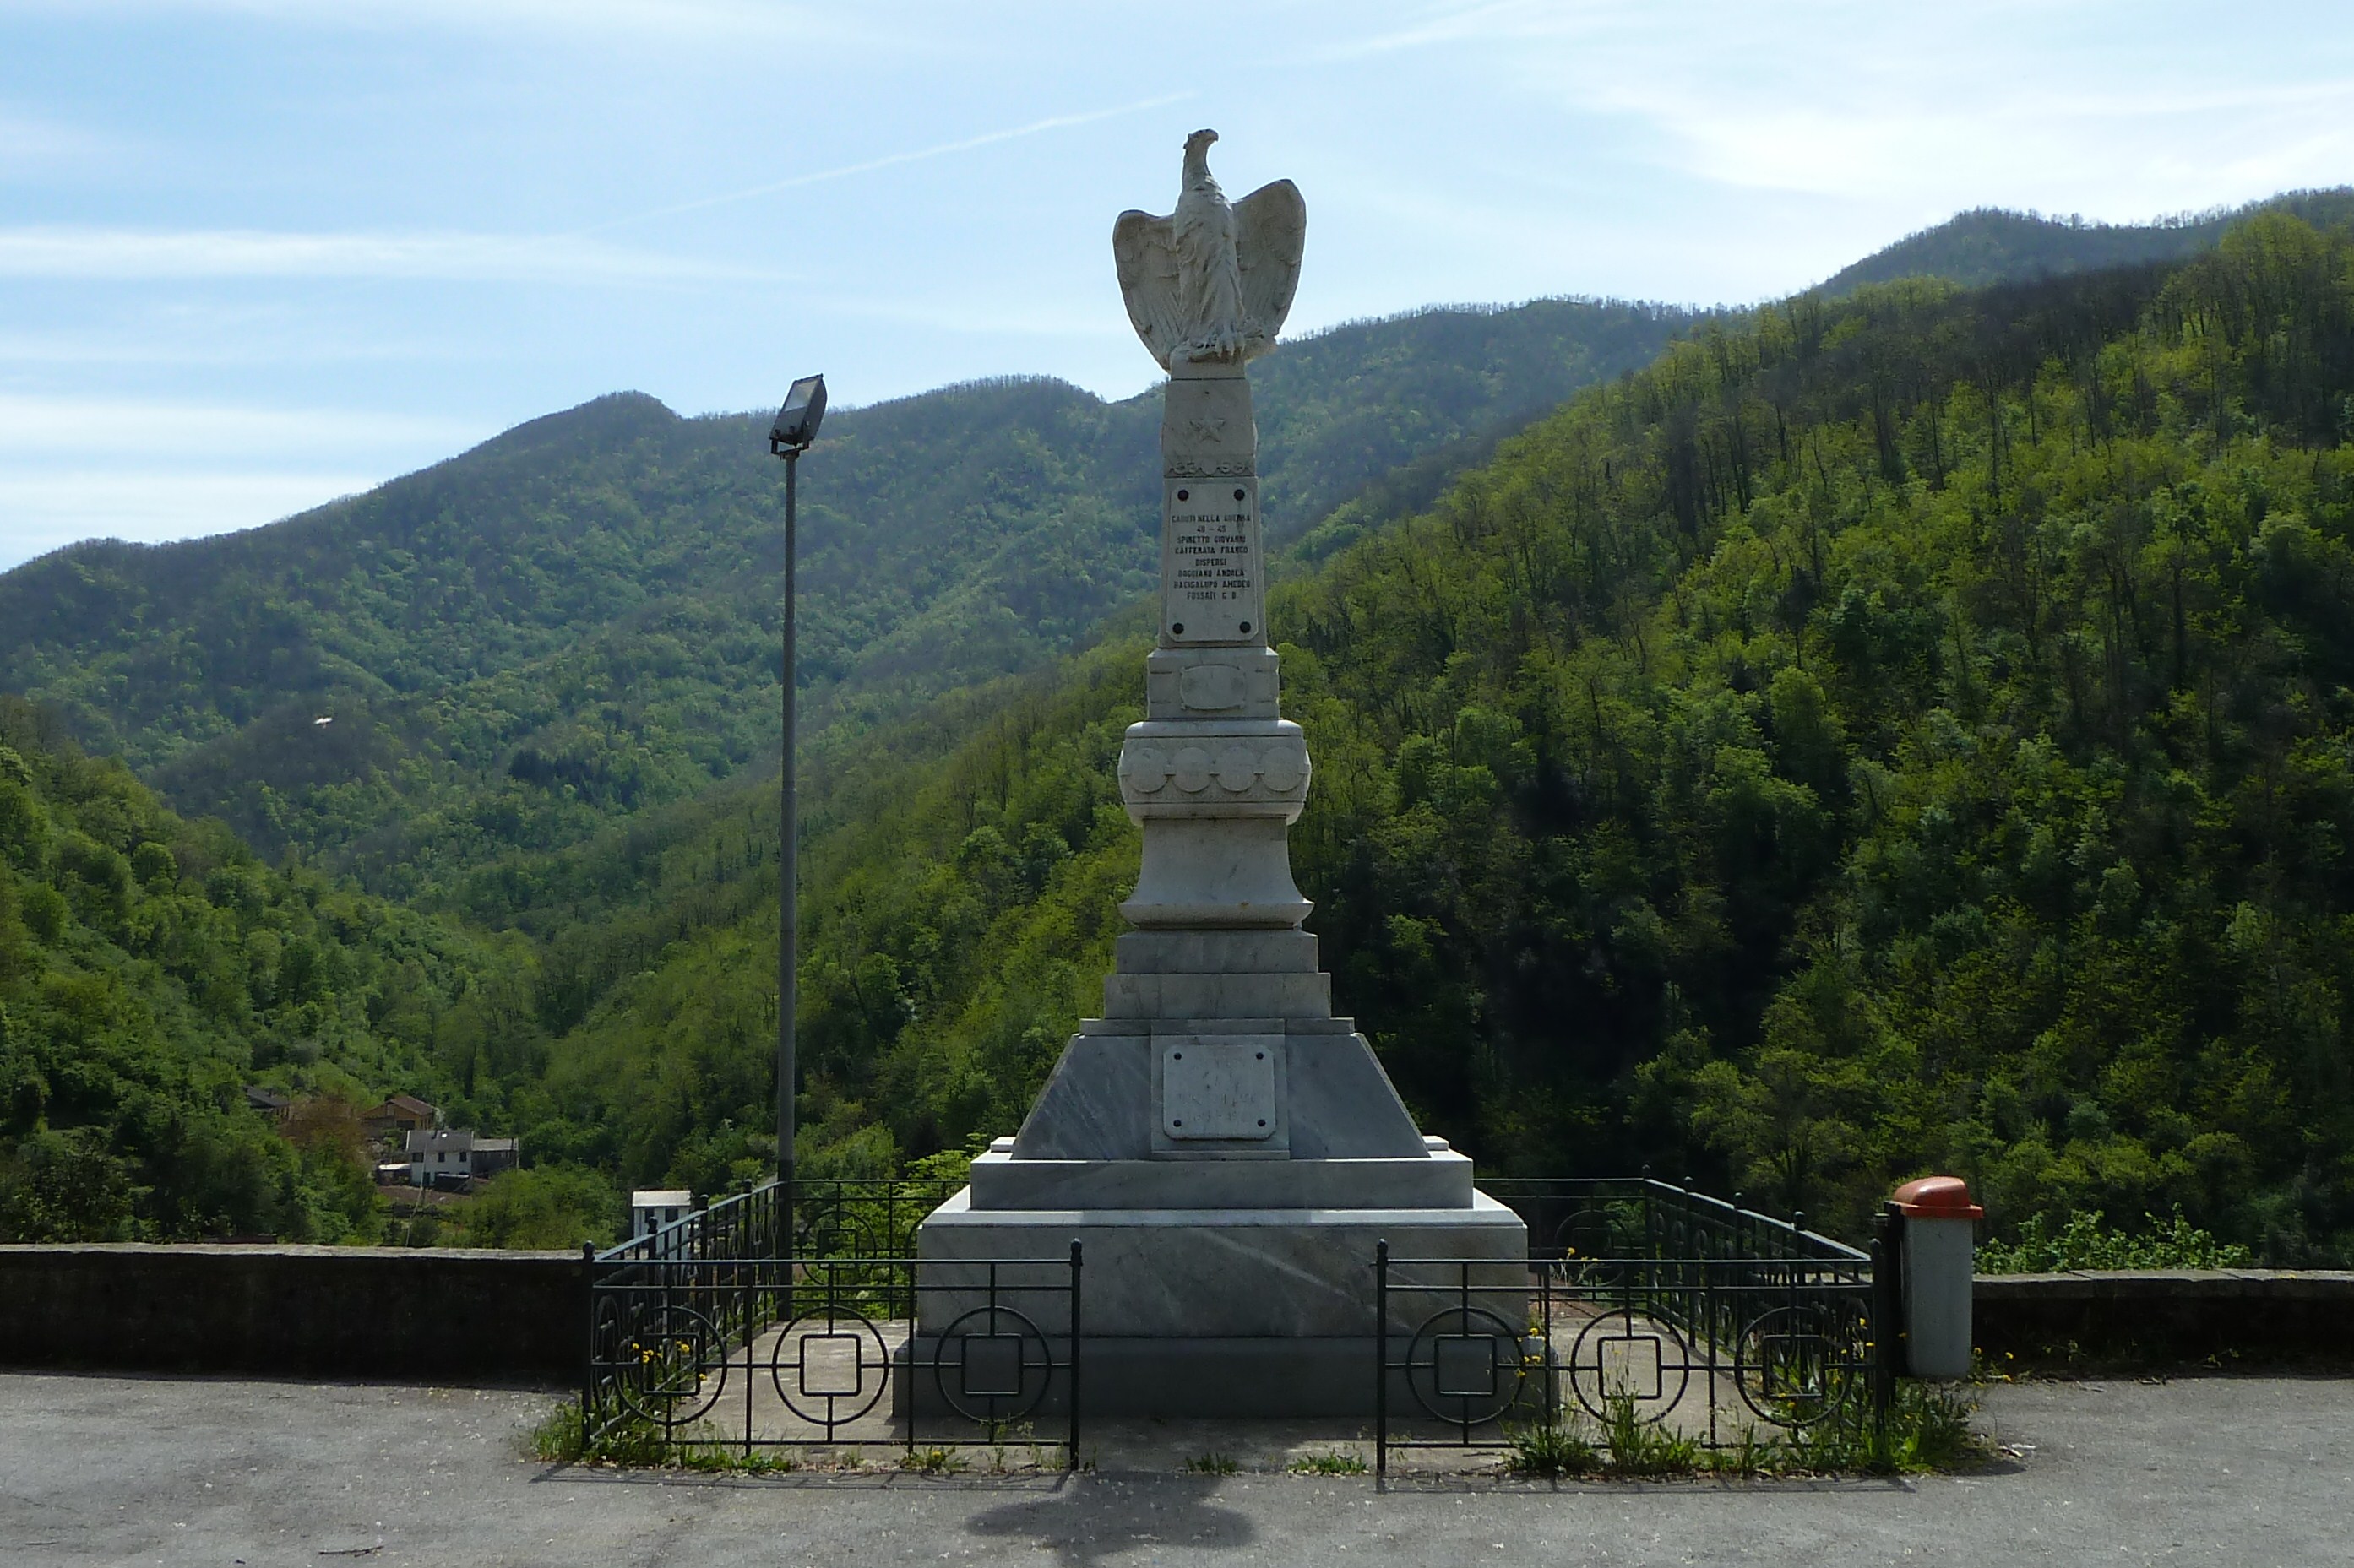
[{"x": 1228, "y": 1151}]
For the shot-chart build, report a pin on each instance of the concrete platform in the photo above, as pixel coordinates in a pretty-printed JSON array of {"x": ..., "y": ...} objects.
[{"x": 110, "y": 1470}]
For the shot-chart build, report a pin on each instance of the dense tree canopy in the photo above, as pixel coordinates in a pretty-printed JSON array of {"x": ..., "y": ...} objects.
[
  {"x": 151, "y": 968},
  {"x": 1903, "y": 734}
]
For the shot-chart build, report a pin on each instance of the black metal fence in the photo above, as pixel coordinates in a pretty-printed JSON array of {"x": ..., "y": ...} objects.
[
  {"x": 863, "y": 1216},
  {"x": 710, "y": 1333},
  {"x": 1644, "y": 1305}
]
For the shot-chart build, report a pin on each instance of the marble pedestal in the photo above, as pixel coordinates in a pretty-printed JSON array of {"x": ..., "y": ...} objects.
[
  {"x": 1229, "y": 1273},
  {"x": 1231, "y": 1311},
  {"x": 1227, "y": 1152}
]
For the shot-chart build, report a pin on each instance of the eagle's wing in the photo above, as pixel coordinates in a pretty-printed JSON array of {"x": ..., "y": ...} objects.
[
  {"x": 1270, "y": 229},
  {"x": 1145, "y": 249}
]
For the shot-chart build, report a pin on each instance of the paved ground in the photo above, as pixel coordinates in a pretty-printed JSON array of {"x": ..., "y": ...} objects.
[{"x": 122, "y": 1470}]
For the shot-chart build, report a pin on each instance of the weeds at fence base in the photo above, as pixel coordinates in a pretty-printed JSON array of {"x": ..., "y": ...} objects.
[
  {"x": 1551, "y": 1448},
  {"x": 1210, "y": 1465},
  {"x": 1333, "y": 1464},
  {"x": 636, "y": 1443},
  {"x": 1927, "y": 1428}
]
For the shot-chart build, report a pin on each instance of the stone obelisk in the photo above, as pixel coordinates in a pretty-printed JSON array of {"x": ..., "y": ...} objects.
[{"x": 1226, "y": 1150}]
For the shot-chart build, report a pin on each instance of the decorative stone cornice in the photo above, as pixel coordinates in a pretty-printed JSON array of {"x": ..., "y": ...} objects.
[{"x": 1195, "y": 768}]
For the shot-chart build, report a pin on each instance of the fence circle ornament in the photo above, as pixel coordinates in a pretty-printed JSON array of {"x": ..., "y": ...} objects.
[
  {"x": 995, "y": 1358},
  {"x": 1469, "y": 1358},
  {"x": 606, "y": 1329},
  {"x": 1591, "y": 1249},
  {"x": 830, "y": 1365},
  {"x": 837, "y": 1231},
  {"x": 1796, "y": 1364},
  {"x": 1652, "y": 1366},
  {"x": 671, "y": 1366}
]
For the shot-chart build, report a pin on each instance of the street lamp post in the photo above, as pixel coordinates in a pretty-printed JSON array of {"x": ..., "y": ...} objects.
[{"x": 795, "y": 428}]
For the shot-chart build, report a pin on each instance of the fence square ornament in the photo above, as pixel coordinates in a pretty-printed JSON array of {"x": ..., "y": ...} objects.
[
  {"x": 832, "y": 1366},
  {"x": 991, "y": 1366},
  {"x": 1463, "y": 1366},
  {"x": 1629, "y": 1362}
]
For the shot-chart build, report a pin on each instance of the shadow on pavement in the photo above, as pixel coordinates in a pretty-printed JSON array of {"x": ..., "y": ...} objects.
[{"x": 1102, "y": 1519}]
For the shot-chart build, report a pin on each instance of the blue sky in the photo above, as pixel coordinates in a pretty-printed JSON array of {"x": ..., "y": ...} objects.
[{"x": 255, "y": 254}]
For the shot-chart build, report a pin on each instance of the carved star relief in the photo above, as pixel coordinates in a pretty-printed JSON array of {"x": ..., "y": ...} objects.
[{"x": 1208, "y": 429}]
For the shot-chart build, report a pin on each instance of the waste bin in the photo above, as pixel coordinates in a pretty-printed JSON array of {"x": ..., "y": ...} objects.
[{"x": 1940, "y": 1249}]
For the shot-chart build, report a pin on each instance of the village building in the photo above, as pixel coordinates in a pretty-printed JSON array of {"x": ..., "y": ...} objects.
[{"x": 449, "y": 1157}]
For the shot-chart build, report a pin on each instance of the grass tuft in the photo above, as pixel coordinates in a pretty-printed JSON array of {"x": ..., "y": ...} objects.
[
  {"x": 1555, "y": 1447},
  {"x": 934, "y": 1461},
  {"x": 633, "y": 1443},
  {"x": 1641, "y": 1447}
]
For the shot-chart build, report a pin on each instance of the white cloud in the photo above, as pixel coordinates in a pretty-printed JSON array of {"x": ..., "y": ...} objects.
[
  {"x": 134, "y": 431},
  {"x": 2003, "y": 101},
  {"x": 225, "y": 336},
  {"x": 75, "y": 254},
  {"x": 550, "y": 18},
  {"x": 40, "y": 513},
  {"x": 37, "y": 145}
]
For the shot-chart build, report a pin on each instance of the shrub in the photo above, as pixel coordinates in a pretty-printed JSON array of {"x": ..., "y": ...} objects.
[{"x": 2084, "y": 1242}]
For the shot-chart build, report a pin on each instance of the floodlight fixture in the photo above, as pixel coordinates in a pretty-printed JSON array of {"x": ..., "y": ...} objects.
[
  {"x": 795, "y": 428},
  {"x": 797, "y": 422}
]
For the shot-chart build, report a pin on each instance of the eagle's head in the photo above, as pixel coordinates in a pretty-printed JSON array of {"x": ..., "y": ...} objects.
[{"x": 1197, "y": 159}]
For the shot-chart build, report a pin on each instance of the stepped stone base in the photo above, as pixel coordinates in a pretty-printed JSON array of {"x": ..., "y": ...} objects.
[
  {"x": 1440, "y": 1180},
  {"x": 1229, "y": 1156},
  {"x": 1245, "y": 1312},
  {"x": 1216, "y": 1311}
]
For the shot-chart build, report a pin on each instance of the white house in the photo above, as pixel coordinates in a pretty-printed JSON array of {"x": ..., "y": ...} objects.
[{"x": 449, "y": 1155}]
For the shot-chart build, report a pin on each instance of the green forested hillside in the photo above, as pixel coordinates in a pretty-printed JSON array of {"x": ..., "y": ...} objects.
[
  {"x": 149, "y": 969},
  {"x": 1905, "y": 733},
  {"x": 1991, "y": 244},
  {"x": 577, "y": 622},
  {"x": 1895, "y": 732}
]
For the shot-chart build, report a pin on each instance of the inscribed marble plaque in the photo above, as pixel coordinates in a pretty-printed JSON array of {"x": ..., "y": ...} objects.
[{"x": 1213, "y": 581}]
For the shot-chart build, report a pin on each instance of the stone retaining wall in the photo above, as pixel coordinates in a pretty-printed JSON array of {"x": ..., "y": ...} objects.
[
  {"x": 465, "y": 1316},
  {"x": 2159, "y": 1317},
  {"x": 446, "y": 1315}
]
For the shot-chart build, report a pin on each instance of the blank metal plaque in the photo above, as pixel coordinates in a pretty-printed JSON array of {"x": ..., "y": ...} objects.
[{"x": 1219, "y": 1087}]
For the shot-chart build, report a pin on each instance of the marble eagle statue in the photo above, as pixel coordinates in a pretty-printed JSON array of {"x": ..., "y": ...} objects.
[{"x": 1214, "y": 280}]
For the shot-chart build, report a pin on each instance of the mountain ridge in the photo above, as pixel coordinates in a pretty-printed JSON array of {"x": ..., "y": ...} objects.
[
  {"x": 472, "y": 612},
  {"x": 1990, "y": 244}
]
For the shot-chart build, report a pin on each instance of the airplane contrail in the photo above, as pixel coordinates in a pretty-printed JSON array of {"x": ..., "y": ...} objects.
[{"x": 1054, "y": 122}]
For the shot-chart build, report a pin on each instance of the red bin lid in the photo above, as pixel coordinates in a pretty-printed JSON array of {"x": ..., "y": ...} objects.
[{"x": 1938, "y": 1198}]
